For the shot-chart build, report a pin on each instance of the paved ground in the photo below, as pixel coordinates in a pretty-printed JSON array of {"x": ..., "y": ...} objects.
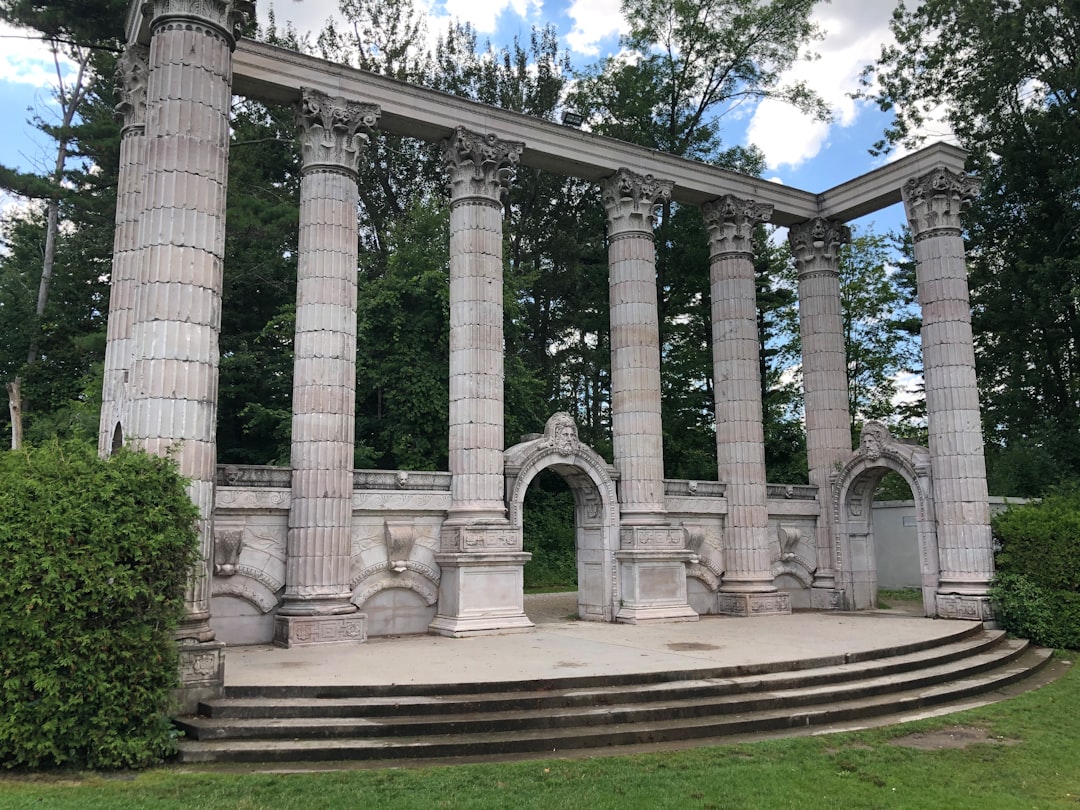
[{"x": 557, "y": 647}]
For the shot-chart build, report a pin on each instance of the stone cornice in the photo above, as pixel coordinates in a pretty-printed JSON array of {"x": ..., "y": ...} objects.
[
  {"x": 132, "y": 70},
  {"x": 329, "y": 131},
  {"x": 228, "y": 17},
  {"x": 730, "y": 222},
  {"x": 480, "y": 166},
  {"x": 631, "y": 200},
  {"x": 934, "y": 201},
  {"x": 817, "y": 240}
]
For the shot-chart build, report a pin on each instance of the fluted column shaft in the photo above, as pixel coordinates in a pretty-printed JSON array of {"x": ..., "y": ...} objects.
[
  {"x": 815, "y": 245},
  {"x": 934, "y": 203},
  {"x": 324, "y": 366},
  {"x": 480, "y": 168},
  {"x": 740, "y": 436},
  {"x": 630, "y": 201},
  {"x": 131, "y": 86},
  {"x": 174, "y": 371}
]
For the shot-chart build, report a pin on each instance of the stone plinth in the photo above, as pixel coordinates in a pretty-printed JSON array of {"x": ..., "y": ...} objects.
[
  {"x": 481, "y": 592},
  {"x": 652, "y": 575},
  {"x": 308, "y": 631},
  {"x": 202, "y": 673},
  {"x": 934, "y": 203},
  {"x": 815, "y": 245}
]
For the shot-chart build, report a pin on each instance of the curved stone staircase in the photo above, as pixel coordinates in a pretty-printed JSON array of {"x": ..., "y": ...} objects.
[{"x": 416, "y": 722}]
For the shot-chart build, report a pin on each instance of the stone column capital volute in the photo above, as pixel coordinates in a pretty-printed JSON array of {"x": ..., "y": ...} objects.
[
  {"x": 132, "y": 71},
  {"x": 730, "y": 222},
  {"x": 817, "y": 240},
  {"x": 934, "y": 201},
  {"x": 330, "y": 139},
  {"x": 631, "y": 200},
  {"x": 479, "y": 166},
  {"x": 227, "y": 16}
]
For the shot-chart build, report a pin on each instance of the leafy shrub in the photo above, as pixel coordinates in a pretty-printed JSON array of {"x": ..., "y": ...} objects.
[
  {"x": 1037, "y": 587},
  {"x": 94, "y": 556}
]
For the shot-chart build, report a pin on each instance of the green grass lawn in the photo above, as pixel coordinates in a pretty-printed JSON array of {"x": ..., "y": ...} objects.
[{"x": 1032, "y": 760}]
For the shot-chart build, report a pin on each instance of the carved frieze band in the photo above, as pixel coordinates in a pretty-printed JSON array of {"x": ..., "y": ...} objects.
[
  {"x": 228, "y": 16},
  {"x": 330, "y": 137},
  {"x": 935, "y": 201},
  {"x": 652, "y": 537},
  {"x": 631, "y": 201},
  {"x": 480, "y": 166},
  {"x": 730, "y": 222},
  {"x": 817, "y": 238},
  {"x": 132, "y": 69}
]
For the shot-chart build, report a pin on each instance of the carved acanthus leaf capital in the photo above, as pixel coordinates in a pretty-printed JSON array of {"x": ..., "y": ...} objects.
[
  {"x": 817, "y": 240},
  {"x": 329, "y": 130},
  {"x": 132, "y": 70},
  {"x": 936, "y": 200},
  {"x": 730, "y": 222},
  {"x": 631, "y": 200},
  {"x": 480, "y": 165},
  {"x": 227, "y": 16}
]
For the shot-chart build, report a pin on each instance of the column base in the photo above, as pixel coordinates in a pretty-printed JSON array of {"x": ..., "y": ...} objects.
[
  {"x": 481, "y": 593},
  {"x": 827, "y": 599},
  {"x": 308, "y": 631},
  {"x": 740, "y": 603},
  {"x": 652, "y": 585},
  {"x": 202, "y": 673},
  {"x": 965, "y": 607}
]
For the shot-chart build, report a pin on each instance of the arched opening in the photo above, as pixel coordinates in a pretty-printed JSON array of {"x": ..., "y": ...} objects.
[
  {"x": 548, "y": 533},
  {"x": 896, "y": 546},
  {"x": 117, "y": 439}
]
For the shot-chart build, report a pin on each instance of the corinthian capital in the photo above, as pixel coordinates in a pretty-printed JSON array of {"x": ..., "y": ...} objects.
[
  {"x": 479, "y": 165},
  {"x": 935, "y": 200},
  {"x": 631, "y": 200},
  {"x": 228, "y": 16},
  {"x": 817, "y": 240},
  {"x": 131, "y": 73},
  {"x": 329, "y": 131},
  {"x": 730, "y": 222}
]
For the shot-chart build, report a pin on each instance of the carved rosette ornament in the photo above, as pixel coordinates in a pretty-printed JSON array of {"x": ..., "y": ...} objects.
[
  {"x": 132, "y": 70},
  {"x": 228, "y": 17},
  {"x": 935, "y": 201},
  {"x": 631, "y": 201},
  {"x": 480, "y": 165},
  {"x": 330, "y": 137},
  {"x": 730, "y": 222},
  {"x": 817, "y": 239}
]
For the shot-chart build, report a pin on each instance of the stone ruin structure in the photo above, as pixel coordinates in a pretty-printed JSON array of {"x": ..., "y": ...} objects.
[{"x": 321, "y": 553}]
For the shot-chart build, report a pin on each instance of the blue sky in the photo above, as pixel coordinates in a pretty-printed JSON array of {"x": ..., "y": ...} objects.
[{"x": 800, "y": 152}]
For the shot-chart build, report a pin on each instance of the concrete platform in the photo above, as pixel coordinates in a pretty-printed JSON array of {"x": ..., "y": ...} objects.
[{"x": 558, "y": 648}]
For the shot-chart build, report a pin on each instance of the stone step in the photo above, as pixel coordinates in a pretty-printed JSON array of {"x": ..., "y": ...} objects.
[
  {"x": 984, "y": 651},
  {"x": 497, "y": 733}
]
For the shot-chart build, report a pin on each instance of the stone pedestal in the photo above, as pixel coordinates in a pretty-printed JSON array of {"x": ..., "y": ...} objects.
[
  {"x": 308, "y": 631},
  {"x": 652, "y": 575},
  {"x": 481, "y": 592},
  {"x": 747, "y": 588},
  {"x": 202, "y": 673},
  {"x": 934, "y": 203},
  {"x": 815, "y": 246}
]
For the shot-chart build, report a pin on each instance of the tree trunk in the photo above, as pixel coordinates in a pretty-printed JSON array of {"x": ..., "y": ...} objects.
[{"x": 15, "y": 408}]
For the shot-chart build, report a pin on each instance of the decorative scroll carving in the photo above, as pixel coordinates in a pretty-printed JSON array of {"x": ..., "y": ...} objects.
[
  {"x": 255, "y": 498},
  {"x": 480, "y": 165},
  {"x": 631, "y": 201},
  {"x": 329, "y": 131},
  {"x": 936, "y": 200},
  {"x": 399, "y": 537},
  {"x": 132, "y": 71},
  {"x": 417, "y": 582},
  {"x": 228, "y": 16},
  {"x": 730, "y": 222},
  {"x": 694, "y": 489},
  {"x": 227, "y": 546},
  {"x": 817, "y": 239}
]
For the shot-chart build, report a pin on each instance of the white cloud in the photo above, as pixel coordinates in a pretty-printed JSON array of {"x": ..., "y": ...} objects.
[
  {"x": 27, "y": 60},
  {"x": 307, "y": 16},
  {"x": 593, "y": 21}
]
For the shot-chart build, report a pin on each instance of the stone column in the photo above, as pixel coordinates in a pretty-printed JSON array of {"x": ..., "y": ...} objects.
[
  {"x": 652, "y": 554},
  {"x": 815, "y": 245},
  {"x": 482, "y": 557},
  {"x": 131, "y": 75},
  {"x": 748, "y": 588},
  {"x": 933, "y": 203},
  {"x": 316, "y": 607},
  {"x": 174, "y": 369}
]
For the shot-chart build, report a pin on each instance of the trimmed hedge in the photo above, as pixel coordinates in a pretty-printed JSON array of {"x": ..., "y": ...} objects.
[
  {"x": 1037, "y": 587},
  {"x": 94, "y": 557}
]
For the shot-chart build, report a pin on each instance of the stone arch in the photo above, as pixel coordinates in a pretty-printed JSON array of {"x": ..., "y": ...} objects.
[
  {"x": 247, "y": 588},
  {"x": 596, "y": 507},
  {"x": 853, "y": 488}
]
